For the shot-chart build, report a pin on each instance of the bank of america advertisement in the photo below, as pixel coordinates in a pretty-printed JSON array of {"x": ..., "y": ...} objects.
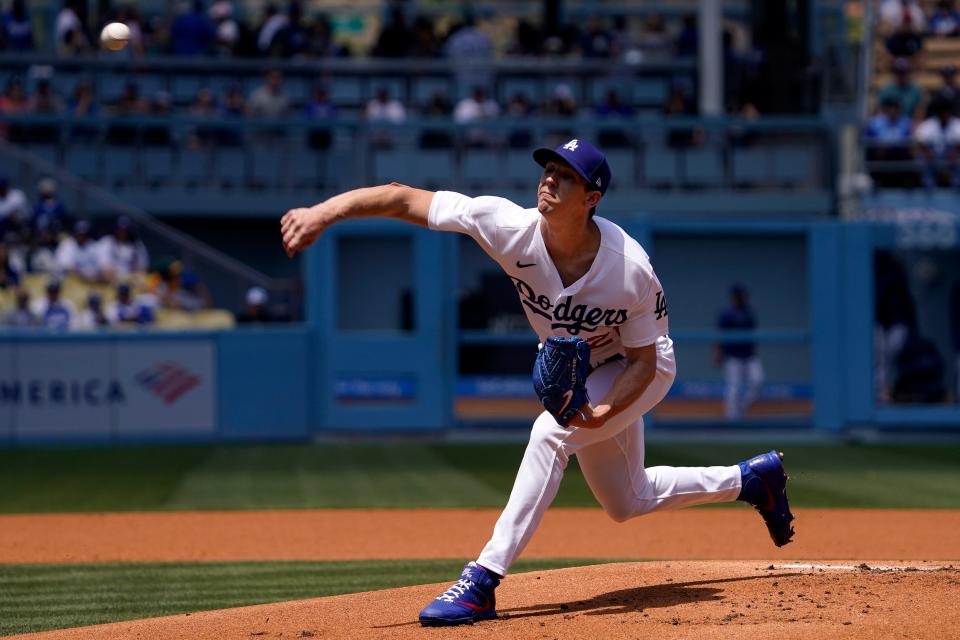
[{"x": 106, "y": 390}]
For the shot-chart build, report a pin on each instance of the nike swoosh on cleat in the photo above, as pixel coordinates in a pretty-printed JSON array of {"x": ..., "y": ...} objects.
[{"x": 475, "y": 607}]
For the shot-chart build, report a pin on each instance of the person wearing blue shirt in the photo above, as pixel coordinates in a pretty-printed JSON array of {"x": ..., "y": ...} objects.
[
  {"x": 742, "y": 370},
  {"x": 888, "y": 136}
]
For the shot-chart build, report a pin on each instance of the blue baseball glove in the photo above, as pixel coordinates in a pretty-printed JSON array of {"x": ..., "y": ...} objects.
[{"x": 560, "y": 376}]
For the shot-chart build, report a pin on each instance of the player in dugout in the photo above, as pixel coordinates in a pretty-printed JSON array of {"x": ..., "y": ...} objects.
[{"x": 577, "y": 274}]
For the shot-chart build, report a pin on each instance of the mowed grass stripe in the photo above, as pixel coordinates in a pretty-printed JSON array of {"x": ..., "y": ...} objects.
[
  {"x": 410, "y": 475},
  {"x": 43, "y": 597}
]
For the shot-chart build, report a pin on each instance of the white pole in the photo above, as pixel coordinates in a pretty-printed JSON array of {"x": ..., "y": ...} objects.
[{"x": 711, "y": 58}]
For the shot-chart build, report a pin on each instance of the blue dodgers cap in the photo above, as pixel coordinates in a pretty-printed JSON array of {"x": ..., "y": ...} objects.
[{"x": 586, "y": 160}]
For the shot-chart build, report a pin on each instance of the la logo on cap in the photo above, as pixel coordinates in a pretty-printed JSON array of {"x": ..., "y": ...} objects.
[{"x": 572, "y": 145}]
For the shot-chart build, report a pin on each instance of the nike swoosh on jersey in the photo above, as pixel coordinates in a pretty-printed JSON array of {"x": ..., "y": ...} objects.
[
  {"x": 567, "y": 398},
  {"x": 520, "y": 265}
]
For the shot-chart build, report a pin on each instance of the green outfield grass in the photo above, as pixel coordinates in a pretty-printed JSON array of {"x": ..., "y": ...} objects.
[
  {"x": 43, "y": 597},
  {"x": 427, "y": 475}
]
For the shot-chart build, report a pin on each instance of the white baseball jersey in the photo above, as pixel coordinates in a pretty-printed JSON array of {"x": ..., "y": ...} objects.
[{"x": 618, "y": 303}]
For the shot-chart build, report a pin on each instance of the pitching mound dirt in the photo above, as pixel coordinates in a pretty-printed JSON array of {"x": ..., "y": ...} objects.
[{"x": 632, "y": 600}]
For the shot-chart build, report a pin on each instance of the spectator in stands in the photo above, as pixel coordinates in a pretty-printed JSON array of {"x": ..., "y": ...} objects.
[
  {"x": 131, "y": 102},
  {"x": 561, "y": 103},
  {"x": 520, "y": 107},
  {"x": 477, "y": 107},
  {"x": 945, "y": 21},
  {"x": 204, "y": 106},
  {"x": 527, "y": 40},
  {"x": 654, "y": 41},
  {"x": 920, "y": 372},
  {"x": 234, "y": 103},
  {"x": 255, "y": 311},
  {"x": 22, "y": 315},
  {"x": 49, "y": 211},
  {"x": 14, "y": 209},
  {"x": 613, "y": 106},
  {"x": 903, "y": 24},
  {"x": 321, "y": 43},
  {"x": 471, "y": 51},
  {"x": 79, "y": 254},
  {"x": 69, "y": 35},
  {"x": 52, "y": 311},
  {"x": 889, "y": 135},
  {"x": 938, "y": 139},
  {"x": 947, "y": 92},
  {"x": 742, "y": 370},
  {"x": 320, "y": 107},
  {"x": 425, "y": 43},
  {"x": 14, "y": 99},
  {"x": 126, "y": 310},
  {"x": 41, "y": 256},
  {"x": 293, "y": 40},
  {"x": 596, "y": 41},
  {"x": 679, "y": 104},
  {"x": 383, "y": 108},
  {"x": 395, "y": 38},
  {"x": 269, "y": 99},
  {"x": 271, "y": 24},
  {"x": 903, "y": 89},
  {"x": 122, "y": 254},
  {"x": 93, "y": 316},
  {"x": 226, "y": 28},
  {"x": 189, "y": 294},
  {"x": 83, "y": 102},
  {"x": 192, "y": 32},
  {"x": 44, "y": 100},
  {"x": 130, "y": 16},
  {"x": 687, "y": 42},
  {"x": 895, "y": 318},
  {"x": 158, "y": 133},
  {"x": 9, "y": 272},
  {"x": 17, "y": 28}
]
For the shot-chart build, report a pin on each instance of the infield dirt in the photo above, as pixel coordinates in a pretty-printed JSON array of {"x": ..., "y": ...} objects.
[
  {"x": 817, "y": 587},
  {"x": 630, "y": 600}
]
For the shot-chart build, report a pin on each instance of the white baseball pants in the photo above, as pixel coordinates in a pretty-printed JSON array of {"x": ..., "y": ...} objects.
[{"x": 611, "y": 459}]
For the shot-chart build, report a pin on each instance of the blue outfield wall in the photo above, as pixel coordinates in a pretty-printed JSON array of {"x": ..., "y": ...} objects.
[
  {"x": 293, "y": 382},
  {"x": 132, "y": 387}
]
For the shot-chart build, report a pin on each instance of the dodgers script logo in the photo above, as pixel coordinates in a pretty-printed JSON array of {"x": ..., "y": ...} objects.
[
  {"x": 168, "y": 381},
  {"x": 566, "y": 315}
]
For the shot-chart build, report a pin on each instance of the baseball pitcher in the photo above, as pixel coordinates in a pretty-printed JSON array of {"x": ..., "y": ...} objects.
[{"x": 591, "y": 295}]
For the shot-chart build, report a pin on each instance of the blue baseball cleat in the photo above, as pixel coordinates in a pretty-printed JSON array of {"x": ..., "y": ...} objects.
[
  {"x": 469, "y": 600},
  {"x": 764, "y": 485}
]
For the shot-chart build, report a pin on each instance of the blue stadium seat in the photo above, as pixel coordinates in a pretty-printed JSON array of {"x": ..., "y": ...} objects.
[
  {"x": 480, "y": 167},
  {"x": 119, "y": 166},
  {"x": 623, "y": 166},
  {"x": 650, "y": 93},
  {"x": 346, "y": 92},
  {"x": 268, "y": 165},
  {"x": 424, "y": 88},
  {"x": 392, "y": 165},
  {"x": 703, "y": 167},
  {"x": 528, "y": 86},
  {"x": 434, "y": 168},
  {"x": 750, "y": 166},
  {"x": 158, "y": 166},
  {"x": 519, "y": 171},
  {"x": 84, "y": 161},
  {"x": 193, "y": 167},
  {"x": 659, "y": 165},
  {"x": 185, "y": 88},
  {"x": 793, "y": 165},
  {"x": 230, "y": 166}
]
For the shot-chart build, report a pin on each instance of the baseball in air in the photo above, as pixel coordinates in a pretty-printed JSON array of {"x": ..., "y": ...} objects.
[{"x": 115, "y": 36}]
